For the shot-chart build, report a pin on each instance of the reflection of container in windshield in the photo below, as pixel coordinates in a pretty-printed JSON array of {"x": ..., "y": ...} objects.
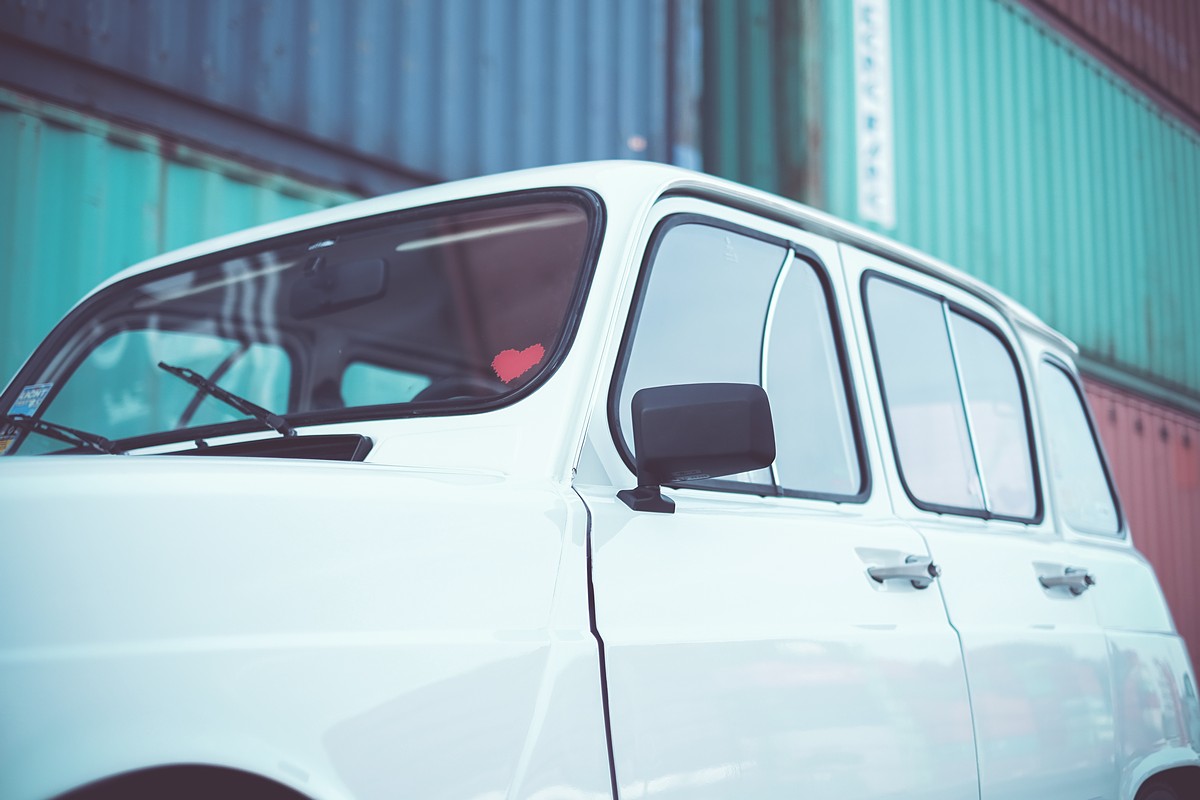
[
  {"x": 542, "y": 222},
  {"x": 179, "y": 286}
]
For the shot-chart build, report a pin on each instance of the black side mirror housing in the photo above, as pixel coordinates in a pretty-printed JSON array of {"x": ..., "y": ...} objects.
[{"x": 693, "y": 432}]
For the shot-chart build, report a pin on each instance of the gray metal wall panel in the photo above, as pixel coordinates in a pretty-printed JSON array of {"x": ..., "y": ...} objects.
[{"x": 445, "y": 87}]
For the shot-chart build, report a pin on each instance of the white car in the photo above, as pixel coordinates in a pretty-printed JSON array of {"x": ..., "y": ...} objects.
[{"x": 599, "y": 481}]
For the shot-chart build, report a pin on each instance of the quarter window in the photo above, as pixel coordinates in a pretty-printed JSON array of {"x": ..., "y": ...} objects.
[
  {"x": 1082, "y": 491},
  {"x": 955, "y": 405},
  {"x": 803, "y": 377}
]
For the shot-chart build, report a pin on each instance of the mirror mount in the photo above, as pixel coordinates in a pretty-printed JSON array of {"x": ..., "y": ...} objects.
[
  {"x": 694, "y": 432},
  {"x": 647, "y": 498}
]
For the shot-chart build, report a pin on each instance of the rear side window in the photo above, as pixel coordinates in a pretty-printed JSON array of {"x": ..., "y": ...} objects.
[
  {"x": 719, "y": 304},
  {"x": 1082, "y": 489},
  {"x": 955, "y": 404}
]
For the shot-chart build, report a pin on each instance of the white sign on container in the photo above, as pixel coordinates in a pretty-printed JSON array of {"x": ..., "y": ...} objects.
[{"x": 873, "y": 112}]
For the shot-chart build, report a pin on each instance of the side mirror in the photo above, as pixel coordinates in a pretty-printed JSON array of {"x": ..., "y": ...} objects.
[{"x": 694, "y": 432}]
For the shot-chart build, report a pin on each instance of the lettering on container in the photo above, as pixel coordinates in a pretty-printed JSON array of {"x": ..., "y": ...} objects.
[{"x": 873, "y": 112}]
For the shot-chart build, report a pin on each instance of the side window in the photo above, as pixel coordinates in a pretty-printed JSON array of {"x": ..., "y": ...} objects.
[
  {"x": 1082, "y": 490},
  {"x": 701, "y": 316},
  {"x": 955, "y": 405},
  {"x": 996, "y": 413},
  {"x": 803, "y": 376},
  {"x": 712, "y": 299}
]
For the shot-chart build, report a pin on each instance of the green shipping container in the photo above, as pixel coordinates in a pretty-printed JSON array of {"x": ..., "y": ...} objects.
[
  {"x": 1013, "y": 155},
  {"x": 81, "y": 198},
  {"x": 1027, "y": 163}
]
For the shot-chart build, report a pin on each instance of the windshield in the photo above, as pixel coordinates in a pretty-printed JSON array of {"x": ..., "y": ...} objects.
[{"x": 431, "y": 311}]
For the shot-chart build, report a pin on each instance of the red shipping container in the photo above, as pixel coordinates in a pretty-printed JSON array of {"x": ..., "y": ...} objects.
[
  {"x": 1154, "y": 452},
  {"x": 1153, "y": 43}
]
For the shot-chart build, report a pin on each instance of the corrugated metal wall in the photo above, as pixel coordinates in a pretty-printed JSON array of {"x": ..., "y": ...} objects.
[
  {"x": 1156, "y": 41},
  {"x": 760, "y": 82},
  {"x": 450, "y": 88},
  {"x": 1025, "y": 162},
  {"x": 1155, "y": 455},
  {"x": 81, "y": 199}
]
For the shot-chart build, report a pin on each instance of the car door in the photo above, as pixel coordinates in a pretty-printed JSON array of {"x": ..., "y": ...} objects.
[
  {"x": 964, "y": 471},
  {"x": 748, "y": 651}
]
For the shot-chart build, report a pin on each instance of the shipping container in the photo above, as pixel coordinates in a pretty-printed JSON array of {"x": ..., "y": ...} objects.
[
  {"x": 82, "y": 198},
  {"x": 1154, "y": 43},
  {"x": 760, "y": 82},
  {"x": 994, "y": 143},
  {"x": 442, "y": 88},
  {"x": 1154, "y": 451}
]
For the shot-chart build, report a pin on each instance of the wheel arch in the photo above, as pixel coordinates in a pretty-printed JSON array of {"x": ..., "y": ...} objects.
[
  {"x": 1184, "y": 781},
  {"x": 184, "y": 782}
]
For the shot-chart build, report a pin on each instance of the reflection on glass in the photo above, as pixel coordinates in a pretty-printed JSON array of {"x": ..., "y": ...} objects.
[
  {"x": 1080, "y": 485},
  {"x": 924, "y": 406},
  {"x": 462, "y": 304},
  {"x": 997, "y": 414},
  {"x": 701, "y": 316},
  {"x": 815, "y": 440}
]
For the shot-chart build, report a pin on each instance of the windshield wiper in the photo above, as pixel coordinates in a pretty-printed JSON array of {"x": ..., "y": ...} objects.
[
  {"x": 273, "y": 421},
  {"x": 62, "y": 433}
]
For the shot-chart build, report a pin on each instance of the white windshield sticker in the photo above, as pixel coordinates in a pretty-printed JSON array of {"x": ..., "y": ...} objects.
[{"x": 30, "y": 398}]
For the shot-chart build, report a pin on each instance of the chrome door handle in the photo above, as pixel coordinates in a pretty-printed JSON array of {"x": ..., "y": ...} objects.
[
  {"x": 1077, "y": 579},
  {"x": 918, "y": 570}
]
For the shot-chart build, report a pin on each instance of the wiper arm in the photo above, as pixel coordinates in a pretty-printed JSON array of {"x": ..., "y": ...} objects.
[
  {"x": 273, "y": 421},
  {"x": 62, "y": 433}
]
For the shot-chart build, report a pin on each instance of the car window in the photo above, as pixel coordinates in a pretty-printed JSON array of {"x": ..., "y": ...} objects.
[
  {"x": 1082, "y": 489},
  {"x": 955, "y": 405},
  {"x": 701, "y": 316},
  {"x": 112, "y": 391},
  {"x": 712, "y": 298},
  {"x": 804, "y": 379},
  {"x": 449, "y": 309},
  {"x": 924, "y": 406},
  {"x": 996, "y": 412}
]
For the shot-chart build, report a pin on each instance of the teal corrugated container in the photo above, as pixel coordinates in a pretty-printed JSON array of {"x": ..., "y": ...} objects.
[
  {"x": 81, "y": 198},
  {"x": 1026, "y": 162}
]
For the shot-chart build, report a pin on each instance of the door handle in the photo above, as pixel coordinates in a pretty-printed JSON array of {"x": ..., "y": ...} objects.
[
  {"x": 918, "y": 570},
  {"x": 1076, "y": 579}
]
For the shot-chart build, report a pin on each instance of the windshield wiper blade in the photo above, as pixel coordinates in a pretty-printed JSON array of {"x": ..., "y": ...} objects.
[
  {"x": 62, "y": 433},
  {"x": 271, "y": 420}
]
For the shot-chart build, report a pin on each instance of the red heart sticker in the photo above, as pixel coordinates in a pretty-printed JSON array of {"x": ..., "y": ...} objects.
[{"x": 512, "y": 364}]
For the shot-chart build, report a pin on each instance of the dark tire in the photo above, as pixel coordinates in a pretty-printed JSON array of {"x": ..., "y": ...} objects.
[
  {"x": 1158, "y": 790},
  {"x": 183, "y": 782}
]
